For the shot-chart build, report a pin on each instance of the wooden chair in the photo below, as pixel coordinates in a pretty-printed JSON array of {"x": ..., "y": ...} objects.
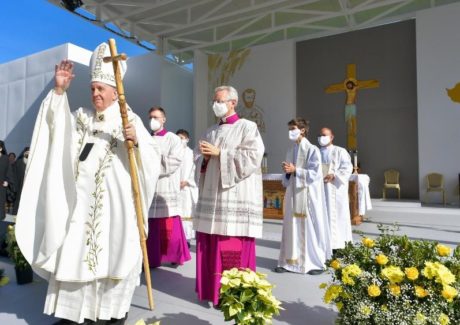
[
  {"x": 435, "y": 183},
  {"x": 391, "y": 182}
]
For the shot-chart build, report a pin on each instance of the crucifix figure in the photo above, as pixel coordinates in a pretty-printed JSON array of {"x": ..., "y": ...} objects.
[{"x": 351, "y": 85}]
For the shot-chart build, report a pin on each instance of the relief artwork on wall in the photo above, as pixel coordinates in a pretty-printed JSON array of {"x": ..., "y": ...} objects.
[
  {"x": 454, "y": 93},
  {"x": 222, "y": 67},
  {"x": 351, "y": 85},
  {"x": 248, "y": 109}
]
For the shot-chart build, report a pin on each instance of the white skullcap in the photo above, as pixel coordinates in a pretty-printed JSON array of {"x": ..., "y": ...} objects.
[{"x": 101, "y": 71}]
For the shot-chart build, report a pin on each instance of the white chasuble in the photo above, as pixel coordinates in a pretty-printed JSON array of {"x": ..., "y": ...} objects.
[
  {"x": 337, "y": 162},
  {"x": 166, "y": 202},
  {"x": 230, "y": 199},
  {"x": 305, "y": 243},
  {"x": 189, "y": 193},
  {"x": 76, "y": 221}
]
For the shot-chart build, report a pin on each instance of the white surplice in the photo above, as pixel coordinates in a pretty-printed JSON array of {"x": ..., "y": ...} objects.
[
  {"x": 76, "y": 222},
  {"x": 166, "y": 202},
  {"x": 189, "y": 194},
  {"x": 230, "y": 199},
  {"x": 337, "y": 161},
  {"x": 305, "y": 243}
]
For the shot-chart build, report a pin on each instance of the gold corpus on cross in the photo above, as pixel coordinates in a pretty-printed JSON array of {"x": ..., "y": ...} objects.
[{"x": 351, "y": 86}]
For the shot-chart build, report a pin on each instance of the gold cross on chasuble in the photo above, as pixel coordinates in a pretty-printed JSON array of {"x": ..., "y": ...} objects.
[{"x": 351, "y": 85}]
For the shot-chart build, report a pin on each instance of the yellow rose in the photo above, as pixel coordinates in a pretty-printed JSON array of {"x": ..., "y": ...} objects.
[
  {"x": 323, "y": 285},
  {"x": 335, "y": 264},
  {"x": 449, "y": 293},
  {"x": 393, "y": 274},
  {"x": 411, "y": 273},
  {"x": 443, "y": 250},
  {"x": 368, "y": 242},
  {"x": 373, "y": 290},
  {"x": 421, "y": 292},
  {"x": 381, "y": 259},
  {"x": 349, "y": 272},
  {"x": 339, "y": 305},
  {"x": 444, "y": 319},
  {"x": 438, "y": 271},
  {"x": 384, "y": 308},
  {"x": 395, "y": 289},
  {"x": 332, "y": 293}
]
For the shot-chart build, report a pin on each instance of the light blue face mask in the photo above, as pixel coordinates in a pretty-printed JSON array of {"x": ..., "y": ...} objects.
[{"x": 294, "y": 134}]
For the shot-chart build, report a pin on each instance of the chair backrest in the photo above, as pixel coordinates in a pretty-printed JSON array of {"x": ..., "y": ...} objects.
[
  {"x": 391, "y": 176},
  {"x": 435, "y": 180}
]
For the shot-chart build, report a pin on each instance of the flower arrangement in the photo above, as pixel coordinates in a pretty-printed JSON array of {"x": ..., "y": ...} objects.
[
  {"x": 14, "y": 252},
  {"x": 246, "y": 297},
  {"x": 395, "y": 280}
]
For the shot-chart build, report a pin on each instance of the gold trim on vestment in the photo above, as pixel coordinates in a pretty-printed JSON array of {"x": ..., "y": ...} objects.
[
  {"x": 292, "y": 261},
  {"x": 299, "y": 215}
]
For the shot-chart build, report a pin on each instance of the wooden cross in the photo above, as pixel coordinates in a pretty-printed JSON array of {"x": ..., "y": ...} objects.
[
  {"x": 115, "y": 58},
  {"x": 351, "y": 85}
]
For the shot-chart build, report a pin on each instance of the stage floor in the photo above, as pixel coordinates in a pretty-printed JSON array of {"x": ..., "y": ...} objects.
[{"x": 174, "y": 288}]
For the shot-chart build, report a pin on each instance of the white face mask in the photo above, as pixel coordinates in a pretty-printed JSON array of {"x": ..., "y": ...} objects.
[
  {"x": 220, "y": 109},
  {"x": 294, "y": 134},
  {"x": 184, "y": 142},
  {"x": 324, "y": 140},
  {"x": 155, "y": 125},
  {"x": 25, "y": 160}
]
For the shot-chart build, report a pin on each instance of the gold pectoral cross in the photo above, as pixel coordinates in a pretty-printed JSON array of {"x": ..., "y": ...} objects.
[{"x": 351, "y": 85}]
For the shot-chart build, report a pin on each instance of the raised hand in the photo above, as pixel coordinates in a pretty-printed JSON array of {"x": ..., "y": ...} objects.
[{"x": 63, "y": 75}]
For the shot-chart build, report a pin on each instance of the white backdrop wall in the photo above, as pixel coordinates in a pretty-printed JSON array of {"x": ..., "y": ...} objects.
[
  {"x": 438, "y": 68},
  {"x": 270, "y": 70},
  {"x": 150, "y": 80},
  {"x": 25, "y": 82}
]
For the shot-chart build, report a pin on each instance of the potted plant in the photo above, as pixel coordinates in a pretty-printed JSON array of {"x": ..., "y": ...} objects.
[
  {"x": 395, "y": 280},
  {"x": 3, "y": 278},
  {"x": 246, "y": 297},
  {"x": 24, "y": 273}
]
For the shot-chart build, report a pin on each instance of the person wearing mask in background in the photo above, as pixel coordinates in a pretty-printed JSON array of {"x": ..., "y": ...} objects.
[
  {"x": 337, "y": 169},
  {"x": 6, "y": 178},
  {"x": 19, "y": 169},
  {"x": 166, "y": 242},
  {"x": 229, "y": 211},
  {"x": 188, "y": 188},
  {"x": 305, "y": 242}
]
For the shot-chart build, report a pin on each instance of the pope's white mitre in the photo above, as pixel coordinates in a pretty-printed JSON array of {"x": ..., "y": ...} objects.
[{"x": 101, "y": 71}]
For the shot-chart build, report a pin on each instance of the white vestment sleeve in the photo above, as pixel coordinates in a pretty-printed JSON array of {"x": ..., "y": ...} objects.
[
  {"x": 244, "y": 160},
  {"x": 171, "y": 161},
  {"x": 344, "y": 168},
  {"x": 148, "y": 168},
  {"x": 49, "y": 186}
]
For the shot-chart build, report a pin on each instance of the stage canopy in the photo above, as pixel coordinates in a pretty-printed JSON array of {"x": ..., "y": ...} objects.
[{"x": 175, "y": 28}]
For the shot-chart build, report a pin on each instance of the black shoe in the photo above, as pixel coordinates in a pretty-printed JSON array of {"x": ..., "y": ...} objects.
[
  {"x": 315, "y": 272},
  {"x": 188, "y": 245},
  {"x": 279, "y": 269},
  {"x": 69, "y": 322}
]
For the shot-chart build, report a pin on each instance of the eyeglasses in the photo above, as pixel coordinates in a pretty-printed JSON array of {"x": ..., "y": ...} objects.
[{"x": 219, "y": 101}]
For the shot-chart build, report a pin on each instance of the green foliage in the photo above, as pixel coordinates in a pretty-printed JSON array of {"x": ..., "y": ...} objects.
[
  {"x": 395, "y": 280},
  {"x": 13, "y": 250},
  {"x": 246, "y": 297},
  {"x": 3, "y": 278}
]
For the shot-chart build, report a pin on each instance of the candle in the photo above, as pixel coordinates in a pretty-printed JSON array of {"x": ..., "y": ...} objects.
[{"x": 356, "y": 161}]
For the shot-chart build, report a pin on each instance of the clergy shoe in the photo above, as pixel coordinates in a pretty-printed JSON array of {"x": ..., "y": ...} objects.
[
  {"x": 315, "y": 272},
  {"x": 114, "y": 321},
  {"x": 279, "y": 269}
]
